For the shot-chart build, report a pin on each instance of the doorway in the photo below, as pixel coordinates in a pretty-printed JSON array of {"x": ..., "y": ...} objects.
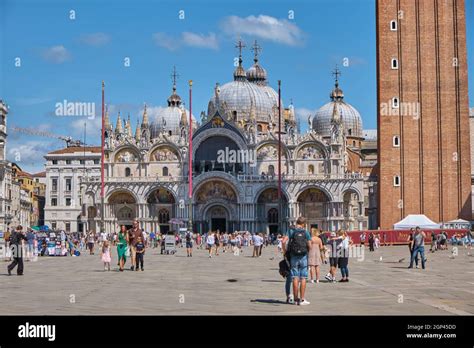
[{"x": 219, "y": 224}]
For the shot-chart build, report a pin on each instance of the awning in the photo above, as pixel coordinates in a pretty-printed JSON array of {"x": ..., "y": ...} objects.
[{"x": 416, "y": 220}]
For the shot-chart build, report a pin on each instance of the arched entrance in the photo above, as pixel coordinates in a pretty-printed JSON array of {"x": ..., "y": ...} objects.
[
  {"x": 122, "y": 205},
  {"x": 216, "y": 206},
  {"x": 217, "y": 218},
  {"x": 161, "y": 206},
  {"x": 268, "y": 211},
  {"x": 312, "y": 204}
]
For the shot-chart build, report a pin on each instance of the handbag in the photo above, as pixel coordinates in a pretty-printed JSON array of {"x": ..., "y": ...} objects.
[
  {"x": 127, "y": 252},
  {"x": 284, "y": 268}
]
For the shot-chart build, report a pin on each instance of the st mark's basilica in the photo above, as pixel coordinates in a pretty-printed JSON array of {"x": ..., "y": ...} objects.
[{"x": 146, "y": 171}]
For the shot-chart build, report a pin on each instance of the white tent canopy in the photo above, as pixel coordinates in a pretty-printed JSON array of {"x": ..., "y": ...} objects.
[
  {"x": 458, "y": 223},
  {"x": 414, "y": 220}
]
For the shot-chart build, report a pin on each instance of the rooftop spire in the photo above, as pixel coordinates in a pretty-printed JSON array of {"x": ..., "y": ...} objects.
[
  {"x": 137, "y": 131},
  {"x": 174, "y": 99},
  {"x": 145, "y": 117},
  {"x": 174, "y": 77},
  {"x": 128, "y": 127},
  {"x": 336, "y": 94},
  {"x": 106, "y": 118},
  {"x": 256, "y": 49},
  {"x": 118, "y": 127},
  {"x": 239, "y": 73},
  {"x": 336, "y": 74}
]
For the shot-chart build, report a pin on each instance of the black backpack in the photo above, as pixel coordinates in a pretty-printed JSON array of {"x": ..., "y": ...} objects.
[
  {"x": 188, "y": 237},
  {"x": 298, "y": 243}
]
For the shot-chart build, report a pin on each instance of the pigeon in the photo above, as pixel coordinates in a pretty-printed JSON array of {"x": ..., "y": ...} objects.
[{"x": 401, "y": 260}]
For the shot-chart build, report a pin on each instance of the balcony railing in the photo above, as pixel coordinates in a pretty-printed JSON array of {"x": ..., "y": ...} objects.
[
  {"x": 240, "y": 177},
  {"x": 300, "y": 177},
  {"x": 134, "y": 179}
]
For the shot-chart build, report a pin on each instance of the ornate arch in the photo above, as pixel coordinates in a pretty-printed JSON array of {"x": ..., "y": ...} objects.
[
  {"x": 121, "y": 190},
  {"x": 328, "y": 194},
  {"x": 209, "y": 133},
  {"x": 123, "y": 148},
  {"x": 209, "y": 176},
  {"x": 217, "y": 189},
  {"x": 360, "y": 197},
  {"x": 316, "y": 143},
  {"x": 266, "y": 187},
  {"x": 151, "y": 190},
  {"x": 155, "y": 147},
  {"x": 231, "y": 212},
  {"x": 285, "y": 150}
]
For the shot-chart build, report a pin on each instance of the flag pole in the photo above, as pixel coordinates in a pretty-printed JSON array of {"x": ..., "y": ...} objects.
[
  {"x": 190, "y": 158},
  {"x": 279, "y": 160},
  {"x": 102, "y": 208}
]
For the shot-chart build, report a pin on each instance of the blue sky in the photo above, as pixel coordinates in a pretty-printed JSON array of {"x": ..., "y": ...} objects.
[{"x": 64, "y": 58}]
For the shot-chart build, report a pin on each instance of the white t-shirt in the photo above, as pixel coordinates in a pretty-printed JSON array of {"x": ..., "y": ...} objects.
[
  {"x": 258, "y": 241},
  {"x": 210, "y": 239}
]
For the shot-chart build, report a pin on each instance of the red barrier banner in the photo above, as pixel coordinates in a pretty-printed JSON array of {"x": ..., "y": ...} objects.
[{"x": 399, "y": 237}]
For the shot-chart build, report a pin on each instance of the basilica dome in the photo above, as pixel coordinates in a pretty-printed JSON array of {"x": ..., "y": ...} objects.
[
  {"x": 171, "y": 118},
  {"x": 248, "y": 90},
  {"x": 351, "y": 118}
]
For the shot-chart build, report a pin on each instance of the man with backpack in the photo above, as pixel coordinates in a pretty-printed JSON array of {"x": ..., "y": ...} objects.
[
  {"x": 299, "y": 241},
  {"x": 189, "y": 243}
]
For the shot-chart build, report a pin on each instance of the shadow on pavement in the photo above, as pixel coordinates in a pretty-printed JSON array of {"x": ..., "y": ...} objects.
[{"x": 269, "y": 300}]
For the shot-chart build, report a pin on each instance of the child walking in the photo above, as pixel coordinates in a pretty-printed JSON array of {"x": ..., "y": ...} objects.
[
  {"x": 106, "y": 255},
  {"x": 140, "y": 253}
]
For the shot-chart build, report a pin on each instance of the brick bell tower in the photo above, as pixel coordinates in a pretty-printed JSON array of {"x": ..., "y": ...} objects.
[{"x": 423, "y": 110}]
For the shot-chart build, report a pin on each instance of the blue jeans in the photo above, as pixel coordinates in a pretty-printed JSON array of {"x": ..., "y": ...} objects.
[
  {"x": 345, "y": 272},
  {"x": 288, "y": 285},
  {"x": 299, "y": 266},
  {"x": 414, "y": 255}
]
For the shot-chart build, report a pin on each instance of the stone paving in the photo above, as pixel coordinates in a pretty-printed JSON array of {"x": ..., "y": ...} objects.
[{"x": 241, "y": 285}]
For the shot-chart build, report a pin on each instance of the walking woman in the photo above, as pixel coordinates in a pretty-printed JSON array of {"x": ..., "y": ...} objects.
[
  {"x": 122, "y": 247},
  {"x": 314, "y": 256},
  {"x": 344, "y": 256},
  {"x": 410, "y": 245},
  {"x": 210, "y": 242},
  {"x": 217, "y": 237}
]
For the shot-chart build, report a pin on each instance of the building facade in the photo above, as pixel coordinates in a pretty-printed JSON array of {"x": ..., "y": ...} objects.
[
  {"x": 65, "y": 168},
  {"x": 423, "y": 123},
  {"x": 234, "y": 164},
  {"x": 6, "y": 183}
]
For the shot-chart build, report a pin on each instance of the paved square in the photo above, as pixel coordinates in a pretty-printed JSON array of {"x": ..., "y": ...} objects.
[{"x": 242, "y": 285}]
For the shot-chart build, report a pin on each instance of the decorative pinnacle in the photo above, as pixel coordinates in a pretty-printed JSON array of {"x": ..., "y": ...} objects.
[
  {"x": 337, "y": 73},
  {"x": 240, "y": 45},
  {"x": 174, "y": 77},
  {"x": 256, "y": 49}
]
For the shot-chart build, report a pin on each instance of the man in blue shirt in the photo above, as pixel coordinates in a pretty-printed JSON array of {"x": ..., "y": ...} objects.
[{"x": 299, "y": 242}]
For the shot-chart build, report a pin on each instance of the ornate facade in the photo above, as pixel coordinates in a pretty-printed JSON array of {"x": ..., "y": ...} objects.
[{"x": 235, "y": 164}]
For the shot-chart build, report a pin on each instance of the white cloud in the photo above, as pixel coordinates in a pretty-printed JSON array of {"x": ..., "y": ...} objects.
[
  {"x": 186, "y": 38},
  {"x": 200, "y": 40},
  {"x": 95, "y": 39},
  {"x": 29, "y": 154},
  {"x": 56, "y": 54},
  {"x": 264, "y": 27},
  {"x": 166, "y": 41}
]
